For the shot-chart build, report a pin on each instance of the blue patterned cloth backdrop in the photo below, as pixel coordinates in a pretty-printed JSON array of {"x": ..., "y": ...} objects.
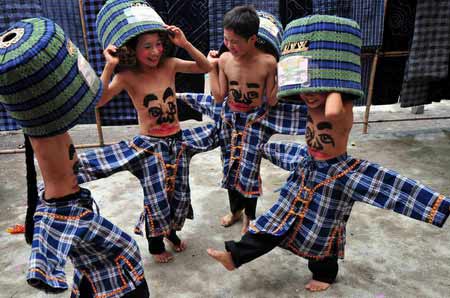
[
  {"x": 399, "y": 25},
  {"x": 397, "y": 36},
  {"x": 341, "y": 8},
  {"x": 10, "y": 13},
  {"x": 370, "y": 16},
  {"x": 67, "y": 14},
  {"x": 217, "y": 8},
  {"x": 427, "y": 72}
]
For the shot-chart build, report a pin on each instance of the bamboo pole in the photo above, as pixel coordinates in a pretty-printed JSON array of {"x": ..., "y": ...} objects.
[
  {"x": 370, "y": 92},
  {"x": 83, "y": 146},
  {"x": 98, "y": 122}
]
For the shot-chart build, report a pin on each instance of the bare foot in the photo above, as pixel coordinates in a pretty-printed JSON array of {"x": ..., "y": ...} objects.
[
  {"x": 245, "y": 223},
  {"x": 178, "y": 248},
  {"x": 230, "y": 219},
  {"x": 222, "y": 257},
  {"x": 316, "y": 286},
  {"x": 164, "y": 257}
]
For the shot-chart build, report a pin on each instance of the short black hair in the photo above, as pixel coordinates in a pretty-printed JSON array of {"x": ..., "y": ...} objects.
[{"x": 243, "y": 20}]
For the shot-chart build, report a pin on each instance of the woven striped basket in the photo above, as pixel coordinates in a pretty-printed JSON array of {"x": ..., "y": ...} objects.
[
  {"x": 320, "y": 53},
  {"x": 270, "y": 33},
  {"x": 45, "y": 83},
  {"x": 120, "y": 20}
]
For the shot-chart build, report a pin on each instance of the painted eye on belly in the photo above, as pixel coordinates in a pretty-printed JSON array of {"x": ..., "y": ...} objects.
[
  {"x": 326, "y": 139},
  {"x": 155, "y": 112}
]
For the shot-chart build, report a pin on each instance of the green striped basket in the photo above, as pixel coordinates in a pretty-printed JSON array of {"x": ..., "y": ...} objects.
[
  {"x": 320, "y": 53},
  {"x": 45, "y": 82},
  {"x": 120, "y": 20}
]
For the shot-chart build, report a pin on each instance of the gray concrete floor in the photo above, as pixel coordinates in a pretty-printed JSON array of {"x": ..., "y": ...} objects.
[{"x": 388, "y": 255}]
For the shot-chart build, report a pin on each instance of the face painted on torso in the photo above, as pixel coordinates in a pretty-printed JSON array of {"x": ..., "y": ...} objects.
[
  {"x": 243, "y": 98},
  {"x": 162, "y": 113},
  {"x": 326, "y": 139},
  {"x": 318, "y": 138}
]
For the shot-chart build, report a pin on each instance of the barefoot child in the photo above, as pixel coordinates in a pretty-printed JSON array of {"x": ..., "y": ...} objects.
[
  {"x": 246, "y": 73},
  {"x": 159, "y": 156},
  {"x": 320, "y": 65},
  {"x": 46, "y": 87}
]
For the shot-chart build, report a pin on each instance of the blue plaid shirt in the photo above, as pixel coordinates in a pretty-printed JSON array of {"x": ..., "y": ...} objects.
[
  {"x": 101, "y": 252},
  {"x": 241, "y": 134},
  {"x": 162, "y": 167},
  {"x": 317, "y": 198}
]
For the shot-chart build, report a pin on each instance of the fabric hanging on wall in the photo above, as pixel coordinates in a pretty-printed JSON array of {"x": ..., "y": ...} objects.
[
  {"x": 192, "y": 17},
  {"x": 341, "y": 8},
  {"x": 388, "y": 80},
  {"x": 67, "y": 15},
  {"x": 12, "y": 12},
  {"x": 397, "y": 36},
  {"x": 294, "y": 9},
  {"x": 217, "y": 9},
  {"x": 399, "y": 25},
  {"x": 428, "y": 63},
  {"x": 370, "y": 16}
]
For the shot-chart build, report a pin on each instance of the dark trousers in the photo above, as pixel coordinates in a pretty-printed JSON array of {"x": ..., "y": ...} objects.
[
  {"x": 238, "y": 203},
  {"x": 141, "y": 291},
  {"x": 156, "y": 244},
  {"x": 252, "y": 246}
]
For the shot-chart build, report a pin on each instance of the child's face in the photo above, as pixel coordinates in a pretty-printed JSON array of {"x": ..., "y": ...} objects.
[
  {"x": 314, "y": 100},
  {"x": 237, "y": 44},
  {"x": 149, "y": 49}
]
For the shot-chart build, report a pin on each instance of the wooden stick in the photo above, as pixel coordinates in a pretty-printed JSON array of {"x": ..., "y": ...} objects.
[
  {"x": 370, "y": 92},
  {"x": 83, "y": 146},
  {"x": 98, "y": 121}
]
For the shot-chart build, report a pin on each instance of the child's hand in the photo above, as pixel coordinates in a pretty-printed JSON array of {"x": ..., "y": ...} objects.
[
  {"x": 177, "y": 37},
  {"x": 110, "y": 54},
  {"x": 213, "y": 57}
]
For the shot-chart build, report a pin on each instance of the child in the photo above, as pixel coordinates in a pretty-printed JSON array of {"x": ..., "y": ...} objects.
[
  {"x": 160, "y": 155},
  {"x": 320, "y": 64},
  {"x": 46, "y": 87},
  {"x": 247, "y": 74}
]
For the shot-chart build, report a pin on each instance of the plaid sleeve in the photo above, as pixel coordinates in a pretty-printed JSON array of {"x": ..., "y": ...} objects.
[
  {"x": 287, "y": 118},
  {"x": 202, "y": 103},
  {"x": 285, "y": 155},
  {"x": 202, "y": 138},
  {"x": 384, "y": 188},
  {"x": 105, "y": 161}
]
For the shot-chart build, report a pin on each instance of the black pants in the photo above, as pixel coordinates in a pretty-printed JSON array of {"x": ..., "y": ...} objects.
[
  {"x": 141, "y": 291},
  {"x": 156, "y": 244},
  {"x": 252, "y": 246},
  {"x": 238, "y": 203}
]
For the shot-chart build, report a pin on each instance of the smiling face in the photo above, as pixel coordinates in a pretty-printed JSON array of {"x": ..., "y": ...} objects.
[
  {"x": 163, "y": 113},
  {"x": 236, "y": 44},
  {"x": 314, "y": 100},
  {"x": 149, "y": 49}
]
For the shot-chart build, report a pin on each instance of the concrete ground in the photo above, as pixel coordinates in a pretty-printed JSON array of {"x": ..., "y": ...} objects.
[{"x": 387, "y": 255}]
